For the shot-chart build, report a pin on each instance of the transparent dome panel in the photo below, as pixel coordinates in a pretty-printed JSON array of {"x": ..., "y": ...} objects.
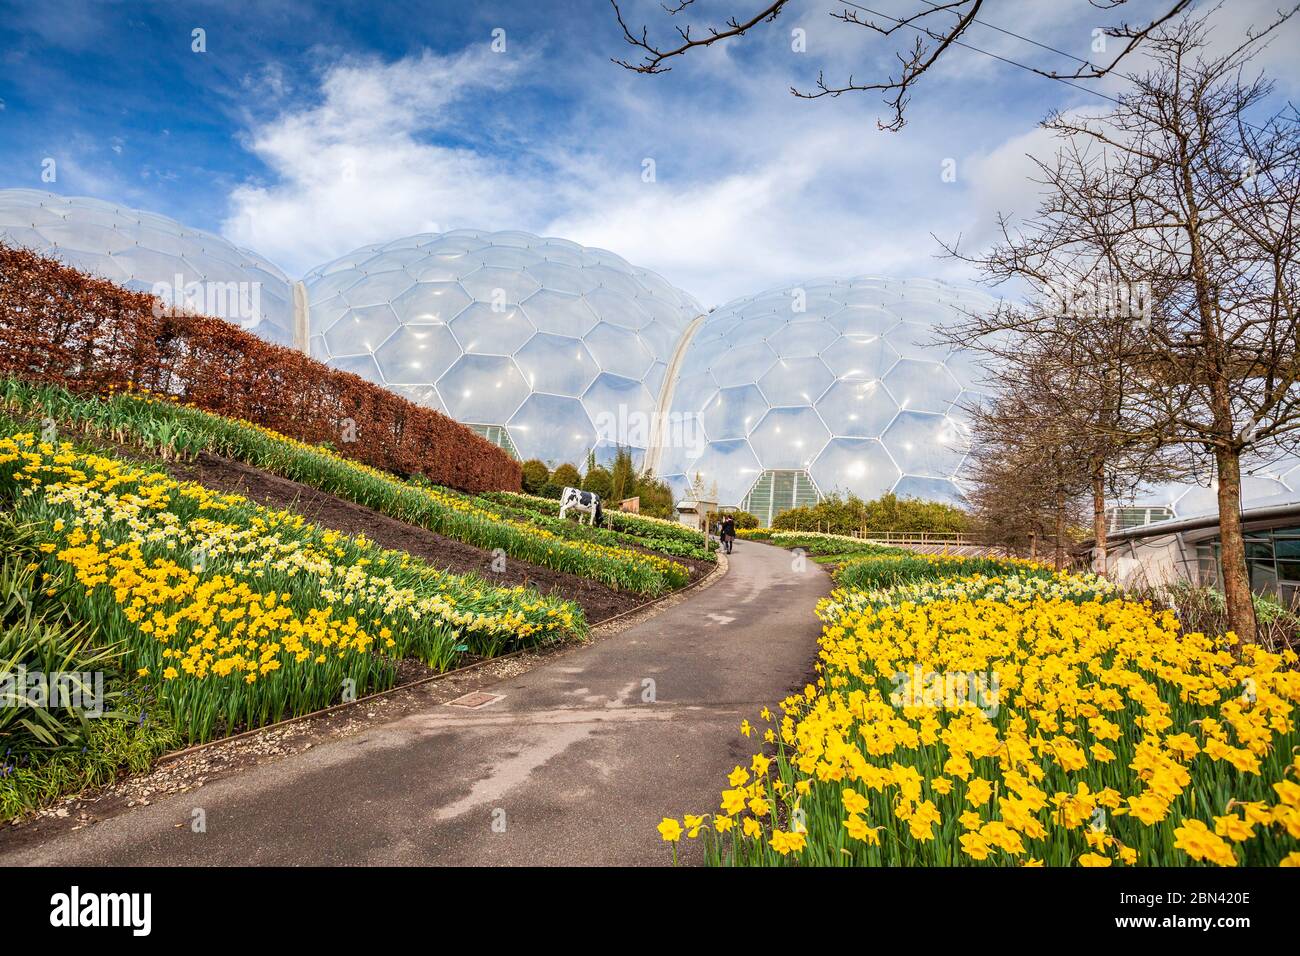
[
  {"x": 742, "y": 366},
  {"x": 558, "y": 277},
  {"x": 916, "y": 341},
  {"x": 863, "y": 320},
  {"x": 797, "y": 381},
  {"x": 491, "y": 285},
  {"x": 693, "y": 392},
  {"x": 431, "y": 303},
  {"x": 930, "y": 489},
  {"x": 606, "y": 453},
  {"x": 789, "y": 438},
  {"x": 556, "y": 363},
  {"x": 922, "y": 386},
  {"x": 554, "y": 429},
  {"x": 621, "y": 410},
  {"x": 505, "y": 258},
  {"x": 860, "y": 358},
  {"x": 927, "y": 445},
  {"x": 619, "y": 350},
  {"x": 361, "y": 331},
  {"x": 733, "y": 412},
  {"x": 859, "y": 409},
  {"x": 417, "y": 354},
  {"x": 481, "y": 328},
  {"x": 482, "y": 389},
  {"x": 858, "y": 466},
  {"x": 561, "y": 313},
  {"x": 726, "y": 469},
  {"x": 802, "y": 339},
  {"x": 436, "y": 269},
  {"x": 617, "y": 308},
  {"x": 659, "y": 339},
  {"x": 612, "y": 280},
  {"x": 379, "y": 288}
]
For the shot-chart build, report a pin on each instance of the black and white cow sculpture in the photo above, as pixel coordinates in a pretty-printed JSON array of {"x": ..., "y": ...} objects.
[{"x": 588, "y": 501}]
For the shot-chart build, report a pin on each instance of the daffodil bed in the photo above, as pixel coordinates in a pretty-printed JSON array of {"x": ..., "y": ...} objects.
[
  {"x": 240, "y": 614},
  {"x": 816, "y": 542},
  {"x": 1021, "y": 718},
  {"x": 158, "y": 423}
]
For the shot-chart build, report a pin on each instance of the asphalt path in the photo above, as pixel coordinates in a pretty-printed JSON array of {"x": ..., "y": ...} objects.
[{"x": 575, "y": 764}]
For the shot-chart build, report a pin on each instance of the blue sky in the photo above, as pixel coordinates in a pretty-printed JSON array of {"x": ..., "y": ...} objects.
[{"x": 308, "y": 129}]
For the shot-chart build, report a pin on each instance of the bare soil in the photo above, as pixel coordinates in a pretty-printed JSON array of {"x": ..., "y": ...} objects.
[{"x": 598, "y": 602}]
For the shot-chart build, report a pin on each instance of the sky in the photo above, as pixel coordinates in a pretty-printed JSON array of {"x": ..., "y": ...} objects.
[{"x": 304, "y": 130}]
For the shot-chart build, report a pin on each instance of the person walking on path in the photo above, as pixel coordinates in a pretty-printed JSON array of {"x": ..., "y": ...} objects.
[{"x": 727, "y": 532}]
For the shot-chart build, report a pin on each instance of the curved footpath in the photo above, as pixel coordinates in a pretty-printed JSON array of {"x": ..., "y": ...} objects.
[{"x": 571, "y": 760}]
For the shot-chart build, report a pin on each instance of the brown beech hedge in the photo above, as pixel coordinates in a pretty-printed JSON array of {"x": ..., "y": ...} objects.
[{"x": 61, "y": 326}]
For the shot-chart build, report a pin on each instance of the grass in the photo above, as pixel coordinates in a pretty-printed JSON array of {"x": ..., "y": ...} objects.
[{"x": 173, "y": 430}]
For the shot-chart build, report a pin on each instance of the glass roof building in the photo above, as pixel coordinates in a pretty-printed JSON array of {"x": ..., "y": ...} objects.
[
  {"x": 146, "y": 252},
  {"x": 835, "y": 385},
  {"x": 554, "y": 350},
  {"x": 549, "y": 348}
]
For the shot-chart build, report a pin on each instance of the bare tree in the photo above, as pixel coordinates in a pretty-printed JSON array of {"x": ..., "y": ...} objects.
[
  {"x": 1028, "y": 473},
  {"x": 1079, "y": 375},
  {"x": 1179, "y": 207},
  {"x": 933, "y": 28}
]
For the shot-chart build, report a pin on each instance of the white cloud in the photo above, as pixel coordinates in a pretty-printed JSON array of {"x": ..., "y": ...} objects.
[{"x": 754, "y": 187}]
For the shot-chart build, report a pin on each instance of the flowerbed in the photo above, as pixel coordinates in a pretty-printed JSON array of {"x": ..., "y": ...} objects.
[
  {"x": 161, "y": 424},
  {"x": 244, "y": 615},
  {"x": 1039, "y": 719}
]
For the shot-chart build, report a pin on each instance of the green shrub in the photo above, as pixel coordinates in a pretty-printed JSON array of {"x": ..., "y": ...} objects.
[{"x": 536, "y": 474}]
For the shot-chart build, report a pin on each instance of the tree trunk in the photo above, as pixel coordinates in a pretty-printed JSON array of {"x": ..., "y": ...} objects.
[
  {"x": 1060, "y": 532},
  {"x": 1232, "y": 548},
  {"x": 1099, "y": 517}
]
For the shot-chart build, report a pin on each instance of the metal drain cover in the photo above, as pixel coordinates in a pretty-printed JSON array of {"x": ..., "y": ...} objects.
[{"x": 475, "y": 700}]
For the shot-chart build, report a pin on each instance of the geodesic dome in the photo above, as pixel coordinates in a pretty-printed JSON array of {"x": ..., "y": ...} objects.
[
  {"x": 547, "y": 347},
  {"x": 831, "y": 386},
  {"x": 146, "y": 252}
]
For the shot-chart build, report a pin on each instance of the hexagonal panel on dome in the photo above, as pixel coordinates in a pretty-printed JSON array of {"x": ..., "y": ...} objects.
[
  {"x": 431, "y": 303},
  {"x": 693, "y": 392},
  {"x": 733, "y": 412},
  {"x": 618, "y": 308},
  {"x": 482, "y": 389},
  {"x": 796, "y": 381},
  {"x": 802, "y": 339},
  {"x": 730, "y": 466},
  {"x": 858, "y": 466},
  {"x": 558, "y": 277},
  {"x": 557, "y": 364},
  {"x": 379, "y": 288},
  {"x": 553, "y": 428},
  {"x": 742, "y": 365},
  {"x": 361, "y": 331},
  {"x": 620, "y": 408},
  {"x": 858, "y": 409},
  {"x": 619, "y": 350},
  {"x": 922, "y": 386},
  {"x": 858, "y": 358},
  {"x": 788, "y": 438},
  {"x": 927, "y": 445},
  {"x": 481, "y": 328},
  {"x": 560, "y": 312},
  {"x": 492, "y": 284},
  {"x": 930, "y": 489},
  {"x": 416, "y": 354},
  {"x": 863, "y": 320},
  {"x": 913, "y": 340}
]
